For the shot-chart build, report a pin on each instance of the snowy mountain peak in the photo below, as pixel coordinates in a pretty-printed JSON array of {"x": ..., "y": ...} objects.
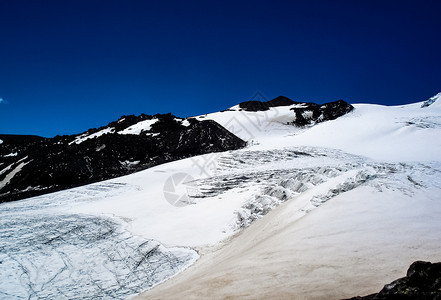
[{"x": 432, "y": 100}]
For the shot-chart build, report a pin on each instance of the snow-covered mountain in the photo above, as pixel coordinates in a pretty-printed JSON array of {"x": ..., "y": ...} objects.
[
  {"x": 33, "y": 166},
  {"x": 324, "y": 210}
]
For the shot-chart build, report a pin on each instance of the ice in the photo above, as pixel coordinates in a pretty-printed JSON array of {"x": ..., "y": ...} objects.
[
  {"x": 75, "y": 256},
  {"x": 47, "y": 252}
]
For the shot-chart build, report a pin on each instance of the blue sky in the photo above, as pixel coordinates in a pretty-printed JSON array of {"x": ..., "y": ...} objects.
[{"x": 66, "y": 66}]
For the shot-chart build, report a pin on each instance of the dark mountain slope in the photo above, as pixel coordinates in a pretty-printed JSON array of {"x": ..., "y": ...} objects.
[
  {"x": 44, "y": 165},
  {"x": 20, "y": 139}
]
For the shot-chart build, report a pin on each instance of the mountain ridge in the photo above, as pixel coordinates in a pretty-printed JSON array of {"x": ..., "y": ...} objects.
[
  {"x": 62, "y": 162},
  {"x": 132, "y": 143}
]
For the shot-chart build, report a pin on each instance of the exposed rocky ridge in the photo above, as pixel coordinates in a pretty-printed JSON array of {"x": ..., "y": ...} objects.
[
  {"x": 423, "y": 281},
  {"x": 311, "y": 113},
  {"x": 305, "y": 113},
  {"x": 44, "y": 165},
  {"x": 20, "y": 139},
  {"x": 265, "y": 105}
]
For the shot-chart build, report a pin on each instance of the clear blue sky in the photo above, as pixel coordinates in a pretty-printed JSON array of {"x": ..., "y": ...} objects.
[{"x": 66, "y": 66}]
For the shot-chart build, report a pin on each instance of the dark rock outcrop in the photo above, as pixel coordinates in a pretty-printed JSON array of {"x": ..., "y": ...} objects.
[
  {"x": 423, "y": 281},
  {"x": 263, "y": 106},
  {"x": 311, "y": 113},
  {"x": 45, "y": 165},
  {"x": 305, "y": 113},
  {"x": 20, "y": 139}
]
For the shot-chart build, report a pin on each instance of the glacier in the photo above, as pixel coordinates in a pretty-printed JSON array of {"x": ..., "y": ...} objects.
[{"x": 324, "y": 211}]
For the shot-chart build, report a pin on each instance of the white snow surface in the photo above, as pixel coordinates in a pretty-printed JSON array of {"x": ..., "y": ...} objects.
[
  {"x": 11, "y": 154},
  {"x": 11, "y": 174},
  {"x": 331, "y": 211},
  {"x": 87, "y": 136},
  {"x": 392, "y": 133},
  {"x": 145, "y": 125},
  {"x": 185, "y": 122}
]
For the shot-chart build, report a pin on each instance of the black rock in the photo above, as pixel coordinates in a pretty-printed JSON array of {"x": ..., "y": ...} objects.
[
  {"x": 423, "y": 281},
  {"x": 20, "y": 139},
  {"x": 311, "y": 113},
  {"x": 305, "y": 113},
  {"x": 263, "y": 106}
]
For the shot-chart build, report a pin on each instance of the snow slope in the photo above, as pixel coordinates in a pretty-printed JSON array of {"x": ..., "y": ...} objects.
[
  {"x": 409, "y": 132},
  {"x": 86, "y": 136},
  {"x": 403, "y": 133},
  {"x": 300, "y": 212},
  {"x": 367, "y": 235},
  {"x": 351, "y": 245}
]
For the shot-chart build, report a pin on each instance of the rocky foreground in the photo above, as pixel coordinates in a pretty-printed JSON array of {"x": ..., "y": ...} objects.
[{"x": 423, "y": 281}]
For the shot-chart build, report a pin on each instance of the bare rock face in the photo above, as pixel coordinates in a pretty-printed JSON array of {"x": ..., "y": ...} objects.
[
  {"x": 311, "y": 113},
  {"x": 33, "y": 165},
  {"x": 423, "y": 282},
  {"x": 263, "y": 106}
]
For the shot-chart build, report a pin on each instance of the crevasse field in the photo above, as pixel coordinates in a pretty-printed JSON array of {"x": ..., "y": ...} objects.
[{"x": 329, "y": 211}]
